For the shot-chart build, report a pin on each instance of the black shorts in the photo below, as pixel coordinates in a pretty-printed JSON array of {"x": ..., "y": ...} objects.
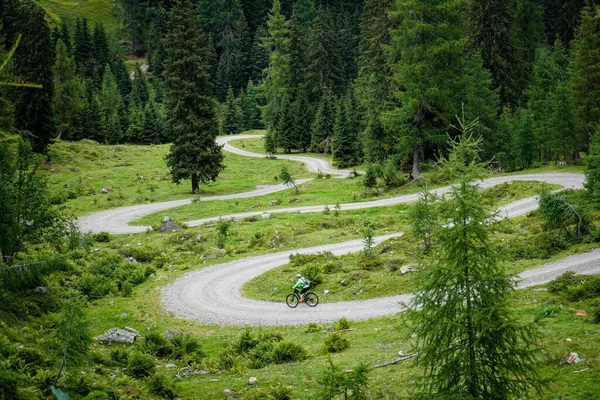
[{"x": 303, "y": 290}]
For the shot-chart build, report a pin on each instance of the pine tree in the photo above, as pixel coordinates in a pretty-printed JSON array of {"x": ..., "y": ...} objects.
[
  {"x": 274, "y": 87},
  {"x": 469, "y": 341},
  {"x": 568, "y": 18},
  {"x": 65, "y": 35},
  {"x": 586, "y": 75},
  {"x": 270, "y": 143},
  {"x": 592, "y": 173},
  {"x": 258, "y": 58},
  {"x": 68, "y": 91},
  {"x": 100, "y": 53},
  {"x": 322, "y": 126},
  {"x": 190, "y": 110},
  {"x": 493, "y": 35},
  {"x": 33, "y": 62},
  {"x": 564, "y": 138},
  {"x": 231, "y": 123},
  {"x": 373, "y": 82},
  {"x": 348, "y": 41},
  {"x": 522, "y": 126},
  {"x": 304, "y": 13},
  {"x": 152, "y": 124},
  {"x": 118, "y": 69},
  {"x": 285, "y": 127},
  {"x": 301, "y": 126},
  {"x": 345, "y": 142},
  {"x": 135, "y": 131},
  {"x": 83, "y": 48},
  {"x": 156, "y": 49}
]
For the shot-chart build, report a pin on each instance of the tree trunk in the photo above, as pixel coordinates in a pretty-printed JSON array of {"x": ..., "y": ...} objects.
[
  {"x": 416, "y": 172},
  {"x": 195, "y": 186}
]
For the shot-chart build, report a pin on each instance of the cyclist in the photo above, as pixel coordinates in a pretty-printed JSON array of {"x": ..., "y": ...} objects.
[{"x": 301, "y": 286}]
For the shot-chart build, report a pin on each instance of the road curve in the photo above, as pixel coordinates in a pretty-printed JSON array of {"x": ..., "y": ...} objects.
[
  {"x": 212, "y": 295},
  {"x": 312, "y": 164}
]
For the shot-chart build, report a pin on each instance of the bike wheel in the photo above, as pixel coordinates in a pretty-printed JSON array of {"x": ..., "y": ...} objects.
[
  {"x": 311, "y": 299},
  {"x": 291, "y": 300}
]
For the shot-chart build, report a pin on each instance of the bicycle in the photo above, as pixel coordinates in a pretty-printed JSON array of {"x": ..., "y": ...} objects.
[{"x": 311, "y": 299}]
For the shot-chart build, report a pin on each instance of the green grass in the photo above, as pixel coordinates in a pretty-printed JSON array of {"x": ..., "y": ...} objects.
[
  {"x": 108, "y": 13},
  {"x": 138, "y": 174}
]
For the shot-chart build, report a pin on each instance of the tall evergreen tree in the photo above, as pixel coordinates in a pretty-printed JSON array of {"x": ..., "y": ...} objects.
[
  {"x": 324, "y": 68},
  {"x": 34, "y": 59},
  {"x": 274, "y": 87},
  {"x": 322, "y": 126},
  {"x": 586, "y": 75},
  {"x": 135, "y": 131},
  {"x": 68, "y": 91},
  {"x": 190, "y": 110},
  {"x": 470, "y": 343},
  {"x": 492, "y": 33},
  {"x": 65, "y": 35},
  {"x": 83, "y": 48},
  {"x": 250, "y": 108},
  {"x": 373, "y": 82},
  {"x": 139, "y": 93},
  {"x": 285, "y": 126},
  {"x": 302, "y": 124},
  {"x": 345, "y": 144},
  {"x": 304, "y": 13},
  {"x": 118, "y": 69},
  {"x": 231, "y": 123},
  {"x": 111, "y": 104},
  {"x": 152, "y": 123}
]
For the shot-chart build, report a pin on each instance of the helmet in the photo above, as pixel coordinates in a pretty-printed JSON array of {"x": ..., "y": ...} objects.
[{"x": 298, "y": 276}]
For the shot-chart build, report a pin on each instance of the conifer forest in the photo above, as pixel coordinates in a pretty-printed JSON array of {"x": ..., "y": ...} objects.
[{"x": 172, "y": 172}]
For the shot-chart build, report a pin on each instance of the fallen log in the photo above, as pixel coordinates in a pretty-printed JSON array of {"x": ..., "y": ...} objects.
[{"x": 396, "y": 361}]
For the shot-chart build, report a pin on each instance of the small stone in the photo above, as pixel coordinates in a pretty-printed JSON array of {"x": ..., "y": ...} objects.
[
  {"x": 384, "y": 249},
  {"x": 170, "y": 366},
  {"x": 407, "y": 268},
  {"x": 123, "y": 315},
  {"x": 581, "y": 313},
  {"x": 117, "y": 335},
  {"x": 274, "y": 202},
  {"x": 166, "y": 219},
  {"x": 228, "y": 392},
  {"x": 40, "y": 289},
  {"x": 252, "y": 380},
  {"x": 266, "y": 216},
  {"x": 171, "y": 333},
  {"x": 574, "y": 359},
  {"x": 325, "y": 291},
  {"x": 105, "y": 190}
]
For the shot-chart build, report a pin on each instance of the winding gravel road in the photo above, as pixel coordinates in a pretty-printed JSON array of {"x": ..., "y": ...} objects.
[{"x": 213, "y": 294}]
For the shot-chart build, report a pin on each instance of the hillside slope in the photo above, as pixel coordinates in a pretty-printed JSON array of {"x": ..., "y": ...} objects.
[{"x": 107, "y": 12}]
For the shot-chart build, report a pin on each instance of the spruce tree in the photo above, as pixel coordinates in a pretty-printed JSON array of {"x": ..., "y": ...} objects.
[
  {"x": 592, "y": 173},
  {"x": 190, "y": 112},
  {"x": 304, "y": 13},
  {"x": 470, "y": 343},
  {"x": 285, "y": 127},
  {"x": 68, "y": 91},
  {"x": 493, "y": 35},
  {"x": 83, "y": 48},
  {"x": 373, "y": 82},
  {"x": 231, "y": 122},
  {"x": 119, "y": 70},
  {"x": 111, "y": 103},
  {"x": 250, "y": 108},
  {"x": 301, "y": 126},
  {"x": 152, "y": 124},
  {"x": 100, "y": 53},
  {"x": 345, "y": 144},
  {"x": 427, "y": 59},
  {"x": 564, "y": 138},
  {"x": 33, "y": 62},
  {"x": 270, "y": 143},
  {"x": 139, "y": 92},
  {"x": 65, "y": 35},
  {"x": 324, "y": 68},
  {"x": 135, "y": 131},
  {"x": 322, "y": 126},
  {"x": 275, "y": 84},
  {"x": 586, "y": 75}
]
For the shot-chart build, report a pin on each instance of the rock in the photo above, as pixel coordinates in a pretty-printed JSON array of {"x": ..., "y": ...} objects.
[
  {"x": 170, "y": 366},
  {"x": 384, "y": 249},
  {"x": 166, "y": 219},
  {"x": 40, "y": 289},
  {"x": 171, "y": 333},
  {"x": 266, "y": 216},
  {"x": 132, "y": 331},
  {"x": 325, "y": 291},
  {"x": 343, "y": 283},
  {"x": 549, "y": 302},
  {"x": 574, "y": 359},
  {"x": 105, "y": 190},
  {"x": 274, "y": 202},
  {"x": 132, "y": 259},
  {"x": 169, "y": 226},
  {"x": 407, "y": 268},
  {"x": 252, "y": 380},
  {"x": 123, "y": 315},
  {"x": 293, "y": 200},
  {"x": 228, "y": 392},
  {"x": 581, "y": 313},
  {"x": 117, "y": 335},
  {"x": 252, "y": 218}
]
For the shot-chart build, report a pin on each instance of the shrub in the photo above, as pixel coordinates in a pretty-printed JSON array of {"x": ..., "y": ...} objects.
[
  {"x": 336, "y": 343},
  {"x": 563, "y": 282},
  {"x": 246, "y": 342},
  {"x": 313, "y": 273},
  {"x": 312, "y": 328},
  {"x": 576, "y": 287},
  {"x": 9, "y": 383},
  {"x": 280, "y": 392},
  {"x": 595, "y": 311},
  {"x": 141, "y": 253},
  {"x": 288, "y": 352},
  {"x": 370, "y": 178},
  {"x": 392, "y": 177},
  {"x": 261, "y": 355},
  {"x": 119, "y": 357},
  {"x": 157, "y": 345},
  {"x": 162, "y": 386},
  {"x": 102, "y": 237},
  {"x": 96, "y": 286},
  {"x": 342, "y": 324},
  {"x": 186, "y": 345},
  {"x": 140, "y": 365},
  {"x": 557, "y": 212}
]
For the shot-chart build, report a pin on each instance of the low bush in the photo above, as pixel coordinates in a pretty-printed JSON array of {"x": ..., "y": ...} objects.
[
  {"x": 342, "y": 324},
  {"x": 336, "y": 343},
  {"x": 102, "y": 237},
  {"x": 185, "y": 345},
  {"x": 141, "y": 365},
  {"x": 576, "y": 287},
  {"x": 153, "y": 343},
  {"x": 312, "y": 328},
  {"x": 313, "y": 273},
  {"x": 162, "y": 386},
  {"x": 288, "y": 352},
  {"x": 595, "y": 311},
  {"x": 280, "y": 392},
  {"x": 119, "y": 357}
]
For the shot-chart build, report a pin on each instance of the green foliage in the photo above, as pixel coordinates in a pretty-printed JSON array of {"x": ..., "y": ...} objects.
[
  {"x": 141, "y": 365},
  {"x": 461, "y": 312},
  {"x": 312, "y": 328},
  {"x": 287, "y": 178},
  {"x": 392, "y": 176},
  {"x": 232, "y": 122},
  {"x": 557, "y": 212},
  {"x": 190, "y": 110},
  {"x": 369, "y": 180},
  {"x": 336, "y": 343},
  {"x": 345, "y": 143},
  {"x": 592, "y": 173},
  {"x": 335, "y": 381},
  {"x": 314, "y": 273},
  {"x": 342, "y": 324},
  {"x": 285, "y": 351},
  {"x": 223, "y": 231},
  {"x": 162, "y": 386},
  {"x": 423, "y": 216},
  {"x": 154, "y": 343},
  {"x": 264, "y": 349},
  {"x": 576, "y": 287},
  {"x": 68, "y": 90},
  {"x": 595, "y": 311},
  {"x": 368, "y": 238}
]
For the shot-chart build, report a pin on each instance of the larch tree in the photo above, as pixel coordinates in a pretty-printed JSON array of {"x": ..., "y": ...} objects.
[
  {"x": 190, "y": 114},
  {"x": 470, "y": 343}
]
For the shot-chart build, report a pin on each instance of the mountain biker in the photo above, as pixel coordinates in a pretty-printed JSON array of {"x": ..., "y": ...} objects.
[{"x": 301, "y": 286}]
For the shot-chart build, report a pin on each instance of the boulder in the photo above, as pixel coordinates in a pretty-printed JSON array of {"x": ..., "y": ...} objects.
[
  {"x": 266, "y": 216},
  {"x": 168, "y": 226},
  {"x": 118, "y": 335},
  {"x": 252, "y": 380},
  {"x": 407, "y": 268}
]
